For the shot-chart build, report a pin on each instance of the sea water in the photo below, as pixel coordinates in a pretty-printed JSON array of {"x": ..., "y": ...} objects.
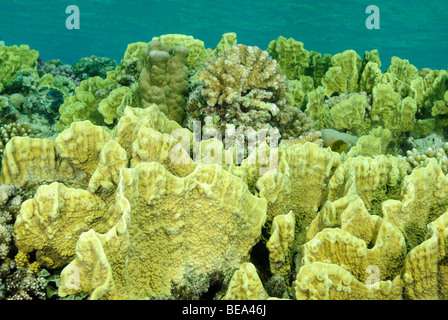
[{"x": 416, "y": 30}]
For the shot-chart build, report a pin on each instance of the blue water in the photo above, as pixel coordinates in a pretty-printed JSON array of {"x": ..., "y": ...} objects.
[{"x": 413, "y": 30}]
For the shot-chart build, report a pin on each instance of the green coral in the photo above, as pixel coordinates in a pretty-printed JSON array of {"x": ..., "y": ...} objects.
[
  {"x": 389, "y": 111},
  {"x": 316, "y": 109},
  {"x": 93, "y": 66},
  {"x": 128, "y": 71},
  {"x": 18, "y": 68},
  {"x": 61, "y": 83},
  {"x": 318, "y": 66},
  {"x": 300, "y": 89},
  {"x": 342, "y": 76},
  {"x": 113, "y": 105},
  {"x": 83, "y": 105},
  {"x": 374, "y": 143},
  {"x": 228, "y": 40},
  {"x": 370, "y": 77},
  {"x": 403, "y": 74},
  {"x": 370, "y": 56},
  {"x": 292, "y": 58},
  {"x": 198, "y": 54},
  {"x": 356, "y": 97},
  {"x": 350, "y": 115}
]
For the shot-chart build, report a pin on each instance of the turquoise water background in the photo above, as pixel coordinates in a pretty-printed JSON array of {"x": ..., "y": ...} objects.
[{"x": 413, "y": 30}]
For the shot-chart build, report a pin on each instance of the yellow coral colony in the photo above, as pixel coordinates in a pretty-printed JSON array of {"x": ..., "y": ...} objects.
[
  {"x": 321, "y": 281},
  {"x": 336, "y": 218},
  {"x": 246, "y": 285},
  {"x": 53, "y": 220},
  {"x": 280, "y": 242},
  {"x": 208, "y": 220},
  {"x": 292, "y": 187}
]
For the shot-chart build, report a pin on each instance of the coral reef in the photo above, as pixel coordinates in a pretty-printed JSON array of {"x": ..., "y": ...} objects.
[
  {"x": 93, "y": 66},
  {"x": 116, "y": 182},
  {"x": 84, "y": 104},
  {"x": 56, "y": 68},
  {"x": 17, "y": 276},
  {"x": 18, "y": 68},
  {"x": 24, "y": 284}
]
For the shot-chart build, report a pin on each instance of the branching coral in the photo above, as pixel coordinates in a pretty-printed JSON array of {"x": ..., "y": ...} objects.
[
  {"x": 238, "y": 70},
  {"x": 244, "y": 89},
  {"x": 10, "y": 202},
  {"x": 24, "y": 284}
]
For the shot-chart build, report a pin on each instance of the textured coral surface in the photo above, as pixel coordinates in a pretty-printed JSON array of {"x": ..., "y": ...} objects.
[{"x": 185, "y": 172}]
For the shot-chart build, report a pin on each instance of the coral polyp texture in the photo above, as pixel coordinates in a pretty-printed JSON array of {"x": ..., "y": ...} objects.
[{"x": 118, "y": 182}]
